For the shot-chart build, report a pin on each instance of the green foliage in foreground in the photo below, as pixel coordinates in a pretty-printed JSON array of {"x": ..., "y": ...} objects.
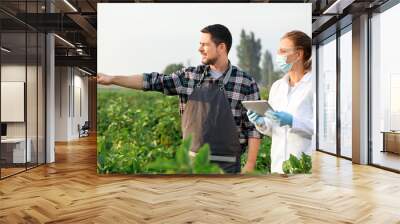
[
  {"x": 136, "y": 130},
  {"x": 295, "y": 166},
  {"x": 263, "y": 162},
  {"x": 184, "y": 164}
]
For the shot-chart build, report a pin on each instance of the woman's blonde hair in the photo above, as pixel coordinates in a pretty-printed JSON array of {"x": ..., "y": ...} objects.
[{"x": 301, "y": 41}]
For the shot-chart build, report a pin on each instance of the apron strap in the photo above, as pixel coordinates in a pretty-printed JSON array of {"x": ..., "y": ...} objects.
[{"x": 202, "y": 77}]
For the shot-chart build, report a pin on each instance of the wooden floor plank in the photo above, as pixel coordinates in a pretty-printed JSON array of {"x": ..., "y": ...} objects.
[{"x": 70, "y": 191}]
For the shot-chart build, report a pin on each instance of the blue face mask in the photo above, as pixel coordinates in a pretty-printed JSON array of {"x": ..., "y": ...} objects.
[{"x": 283, "y": 65}]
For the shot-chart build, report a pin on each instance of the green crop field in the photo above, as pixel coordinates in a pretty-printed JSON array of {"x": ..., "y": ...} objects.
[
  {"x": 137, "y": 130},
  {"x": 140, "y": 132}
]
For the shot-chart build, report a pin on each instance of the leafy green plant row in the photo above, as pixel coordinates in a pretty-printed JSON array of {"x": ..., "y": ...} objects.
[
  {"x": 135, "y": 128},
  {"x": 182, "y": 163},
  {"x": 141, "y": 133},
  {"x": 295, "y": 165}
]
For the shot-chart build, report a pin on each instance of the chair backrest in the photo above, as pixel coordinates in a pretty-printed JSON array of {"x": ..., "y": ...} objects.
[{"x": 86, "y": 125}]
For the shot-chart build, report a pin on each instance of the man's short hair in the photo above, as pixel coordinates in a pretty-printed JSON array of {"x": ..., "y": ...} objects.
[{"x": 219, "y": 34}]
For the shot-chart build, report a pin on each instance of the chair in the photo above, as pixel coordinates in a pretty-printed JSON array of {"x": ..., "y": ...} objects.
[{"x": 84, "y": 130}]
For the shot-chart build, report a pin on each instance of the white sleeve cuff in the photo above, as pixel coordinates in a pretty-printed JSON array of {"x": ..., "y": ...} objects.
[
  {"x": 265, "y": 129},
  {"x": 296, "y": 124}
]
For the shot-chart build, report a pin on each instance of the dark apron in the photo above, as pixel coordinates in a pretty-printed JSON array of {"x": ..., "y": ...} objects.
[{"x": 208, "y": 119}]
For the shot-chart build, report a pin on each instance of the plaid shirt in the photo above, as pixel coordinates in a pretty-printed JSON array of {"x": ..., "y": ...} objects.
[{"x": 240, "y": 87}]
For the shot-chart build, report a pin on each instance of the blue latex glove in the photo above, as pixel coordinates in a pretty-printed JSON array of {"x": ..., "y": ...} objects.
[
  {"x": 255, "y": 118},
  {"x": 282, "y": 117}
]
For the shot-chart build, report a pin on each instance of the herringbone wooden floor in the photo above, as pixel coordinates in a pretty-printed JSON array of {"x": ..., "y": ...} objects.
[{"x": 70, "y": 191}]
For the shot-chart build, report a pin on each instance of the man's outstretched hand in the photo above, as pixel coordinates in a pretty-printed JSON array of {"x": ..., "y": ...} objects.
[
  {"x": 104, "y": 79},
  {"x": 128, "y": 81}
]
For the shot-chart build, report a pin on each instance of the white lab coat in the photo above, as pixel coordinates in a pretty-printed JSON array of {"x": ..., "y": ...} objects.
[{"x": 300, "y": 103}]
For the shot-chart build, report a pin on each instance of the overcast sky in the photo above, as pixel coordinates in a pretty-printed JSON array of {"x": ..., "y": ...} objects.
[{"x": 146, "y": 37}]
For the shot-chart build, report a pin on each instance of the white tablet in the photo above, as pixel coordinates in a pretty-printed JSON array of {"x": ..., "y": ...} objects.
[{"x": 258, "y": 106}]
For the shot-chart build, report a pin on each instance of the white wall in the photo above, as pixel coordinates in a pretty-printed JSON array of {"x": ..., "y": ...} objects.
[
  {"x": 34, "y": 124},
  {"x": 62, "y": 81},
  {"x": 15, "y": 72},
  {"x": 70, "y": 83},
  {"x": 12, "y": 73}
]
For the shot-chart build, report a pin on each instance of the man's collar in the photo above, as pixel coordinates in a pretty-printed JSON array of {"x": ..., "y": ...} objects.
[{"x": 208, "y": 68}]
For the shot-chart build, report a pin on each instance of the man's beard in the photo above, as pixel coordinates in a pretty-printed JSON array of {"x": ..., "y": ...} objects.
[{"x": 210, "y": 61}]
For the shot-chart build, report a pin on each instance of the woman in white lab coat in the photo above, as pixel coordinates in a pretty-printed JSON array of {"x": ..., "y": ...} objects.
[{"x": 291, "y": 126}]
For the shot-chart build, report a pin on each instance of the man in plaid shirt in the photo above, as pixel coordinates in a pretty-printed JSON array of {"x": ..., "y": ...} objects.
[{"x": 215, "y": 44}]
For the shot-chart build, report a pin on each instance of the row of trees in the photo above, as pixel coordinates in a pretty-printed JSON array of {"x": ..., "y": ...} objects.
[{"x": 249, "y": 56}]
